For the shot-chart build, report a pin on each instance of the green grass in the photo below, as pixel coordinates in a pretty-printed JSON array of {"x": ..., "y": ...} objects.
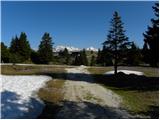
[{"x": 141, "y": 101}]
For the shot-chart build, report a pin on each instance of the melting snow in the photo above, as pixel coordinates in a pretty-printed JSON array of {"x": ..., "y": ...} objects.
[
  {"x": 125, "y": 72},
  {"x": 18, "y": 96}
]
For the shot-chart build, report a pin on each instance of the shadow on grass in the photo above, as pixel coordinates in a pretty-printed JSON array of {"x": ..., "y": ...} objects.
[
  {"x": 153, "y": 112},
  {"x": 82, "y": 110},
  {"x": 121, "y": 81}
]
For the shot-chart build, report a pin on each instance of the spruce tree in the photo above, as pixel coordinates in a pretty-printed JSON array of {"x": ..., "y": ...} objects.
[
  {"x": 116, "y": 42},
  {"x": 24, "y": 47},
  {"x": 93, "y": 61},
  {"x": 20, "y": 47},
  {"x": 14, "y": 47},
  {"x": 145, "y": 53},
  {"x": 151, "y": 38},
  {"x": 83, "y": 57},
  {"x": 77, "y": 60},
  {"x": 45, "y": 49},
  {"x": 5, "y": 54},
  {"x": 66, "y": 56},
  {"x": 133, "y": 55},
  {"x": 98, "y": 59}
]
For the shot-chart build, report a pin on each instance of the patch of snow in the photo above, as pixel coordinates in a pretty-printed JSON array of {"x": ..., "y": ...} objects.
[
  {"x": 19, "y": 98},
  {"x": 125, "y": 72}
]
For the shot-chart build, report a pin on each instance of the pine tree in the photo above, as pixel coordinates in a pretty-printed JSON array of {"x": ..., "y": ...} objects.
[
  {"x": 151, "y": 38},
  {"x": 116, "y": 42},
  {"x": 98, "y": 59},
  {"x": 83, "y": 57},
  {"x": 93, "y": 61},
  {"x": 133, "y": 55},
  {"x": 20, "y": 47},
  {"x": 45, "y": 49},
  {"x": 77, "y": 60},
  {"x": 24, "y": 47},
  {"x": 145, "y": 53},
  {"x": 5, "y": 54},
  {"x": 66, "y": 56},
  {"x": 14, "y": 47}
]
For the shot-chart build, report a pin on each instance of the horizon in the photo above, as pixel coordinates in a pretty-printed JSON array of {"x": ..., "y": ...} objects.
[{"x": 80, "y": 24}]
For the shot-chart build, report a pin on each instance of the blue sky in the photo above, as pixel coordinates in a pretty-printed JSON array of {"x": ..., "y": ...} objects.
[{"x": 79, "y": 24}]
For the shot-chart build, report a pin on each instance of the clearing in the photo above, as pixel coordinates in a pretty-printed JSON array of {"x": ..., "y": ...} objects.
[{"x": 81, "y": 92}]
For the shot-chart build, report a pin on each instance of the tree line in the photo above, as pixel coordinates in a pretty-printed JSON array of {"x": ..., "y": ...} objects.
[{"x": 117, "y": 49}]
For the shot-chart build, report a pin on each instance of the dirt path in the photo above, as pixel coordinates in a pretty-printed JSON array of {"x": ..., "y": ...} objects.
[{"x": 86, "y": 99}]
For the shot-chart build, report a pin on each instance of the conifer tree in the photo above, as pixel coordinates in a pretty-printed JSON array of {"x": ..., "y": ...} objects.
[
  {"x": 24, "y": 47},
  {"x": 5, "y": 54},
  {"x": 20, "y": 47},
  {"x": 66, "y": 56},
  {"x": 77, "y": 60},
  {"x": 93, "y": 61},
  {"x": 45, "y": 49},
  {"x": 151, "y": 38},
  {"x": 133, "y": 55},
  {"x": 83, "y": 57},
  {"x": 98, "y": 59},
  {"x": 116, "y": 42}
]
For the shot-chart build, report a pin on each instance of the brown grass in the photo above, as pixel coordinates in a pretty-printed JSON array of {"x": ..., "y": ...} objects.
[
  {"x": 30, "y": 70},
  {"x": 52, "y": 92}
]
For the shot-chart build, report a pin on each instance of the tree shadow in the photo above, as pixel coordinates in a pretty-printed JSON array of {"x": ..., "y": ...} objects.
[
  {"x": 13, "y": 108},
  {"x": 120, "y": 81},
  {"x": 153, "y": 112},
  {"x": 82, "y": 110}
]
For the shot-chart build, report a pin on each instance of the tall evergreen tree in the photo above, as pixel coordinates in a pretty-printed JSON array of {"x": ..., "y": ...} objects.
[
  {"x": 93, "y": 61},
  {"x": 45, "y": 49},
  {"x": 20, "y": 47},
  {"x": 84, "y": 57},
  {"x": 66, "y": 56},
  {"x": 98, "y": 59},
  {"x": 5, "y": 54},
  {"x": 116, "y": 42},
  {"x": 151, "y": 38},
  {"x": 14, "y": 47},
  {"x": 24, "y": 47},
  {"x": 145, "y": 53}
]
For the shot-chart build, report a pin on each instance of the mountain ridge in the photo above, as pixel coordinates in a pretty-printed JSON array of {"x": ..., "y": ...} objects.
[{"x": 59, "y": 48}]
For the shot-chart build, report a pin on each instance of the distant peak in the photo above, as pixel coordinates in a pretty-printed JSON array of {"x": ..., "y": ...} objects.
[{"x": 59, "y": 48}]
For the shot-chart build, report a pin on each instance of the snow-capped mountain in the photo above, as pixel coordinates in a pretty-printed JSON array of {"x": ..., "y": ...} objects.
[
  {"x": 92, "y": 49},
  {"x": 71, "y": 48}
]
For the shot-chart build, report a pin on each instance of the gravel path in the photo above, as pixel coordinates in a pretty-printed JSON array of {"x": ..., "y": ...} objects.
[{"x": 86, "y": 99}]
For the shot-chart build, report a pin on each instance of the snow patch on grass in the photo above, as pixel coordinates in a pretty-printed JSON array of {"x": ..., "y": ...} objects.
[
  {"x": 19, "y": 98},
  {"x": 125, "y": 72}
]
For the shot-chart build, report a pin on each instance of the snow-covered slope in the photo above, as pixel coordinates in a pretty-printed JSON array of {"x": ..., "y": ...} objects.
[{"x": 71, "y": 48}]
